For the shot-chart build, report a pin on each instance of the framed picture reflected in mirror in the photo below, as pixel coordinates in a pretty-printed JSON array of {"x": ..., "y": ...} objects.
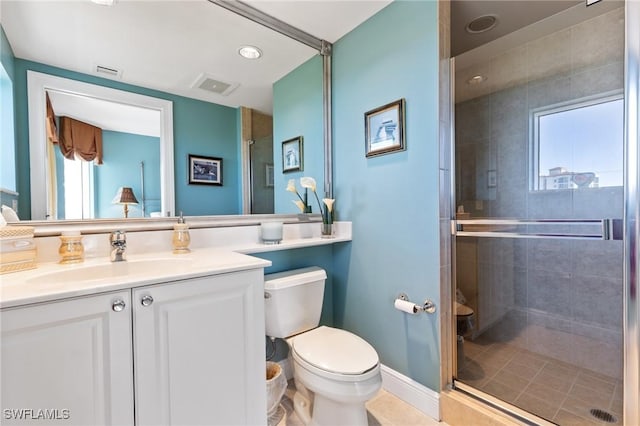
[
  {"x": 205, "y": 170},
  {"x": 292, "y": 155}
]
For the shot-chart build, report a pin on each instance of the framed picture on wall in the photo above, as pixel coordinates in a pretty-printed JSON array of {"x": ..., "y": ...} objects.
[
  {"x": 205, "y": 170},
  {"x": 292, "y": 155},
  {"x": 384, "y": 129}
]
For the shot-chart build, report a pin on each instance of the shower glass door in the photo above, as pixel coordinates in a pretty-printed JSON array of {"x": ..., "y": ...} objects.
[{"x": 539, "y": 194}]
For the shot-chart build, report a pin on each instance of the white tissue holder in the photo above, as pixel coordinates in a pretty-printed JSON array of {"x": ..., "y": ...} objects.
[{"x": 428, "y": 306}]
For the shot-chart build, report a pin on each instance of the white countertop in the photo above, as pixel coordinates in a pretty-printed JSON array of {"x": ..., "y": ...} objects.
[
  {"x": 51, "y": 281},
  {"x": 213, "y": 251}
]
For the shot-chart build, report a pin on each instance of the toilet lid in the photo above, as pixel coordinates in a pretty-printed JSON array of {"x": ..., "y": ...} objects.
[{"x": 335, "y": 350}]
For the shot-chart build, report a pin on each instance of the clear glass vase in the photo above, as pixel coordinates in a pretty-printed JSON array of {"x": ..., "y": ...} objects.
[{"x": 327, "y": 230}]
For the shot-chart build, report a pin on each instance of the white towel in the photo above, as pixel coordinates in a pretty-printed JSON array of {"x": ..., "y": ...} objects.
[
  {"x": 9, "y": 214},
  {"x": 3, "y": 222}
]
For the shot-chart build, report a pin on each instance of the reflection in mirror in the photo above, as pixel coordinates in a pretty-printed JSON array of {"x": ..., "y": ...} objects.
[
  {"x": 137, "y": 151},
  {"x": 8, "y": 194},
  {"x": 207, "y": 121}
]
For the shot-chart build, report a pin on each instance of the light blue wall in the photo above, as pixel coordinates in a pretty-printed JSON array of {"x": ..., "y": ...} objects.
[
  {"x": 391, "y": 199},
  {"x": 123, "y": 153},
  {"x": 297, "y": 111},
  {"x": 200, "y": 128}
]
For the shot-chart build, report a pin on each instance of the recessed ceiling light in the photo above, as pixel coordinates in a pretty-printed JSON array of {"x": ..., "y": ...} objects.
[
  {"x": 104, "y": 2},
  {"x": 476, "y": 79},
  {"x": 250, "y": 52},
  {"x": 482, "y": 24}
]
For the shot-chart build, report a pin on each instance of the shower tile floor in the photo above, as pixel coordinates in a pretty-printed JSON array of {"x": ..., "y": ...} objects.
[
  {"x": 551, "y": 389},
  {"x": 384, "y": 409}
]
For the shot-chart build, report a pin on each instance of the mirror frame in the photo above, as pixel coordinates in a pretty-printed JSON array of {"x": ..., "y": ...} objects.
[
  {"x": 322, "y": 46},
  {"x": 37, "y": 85}
]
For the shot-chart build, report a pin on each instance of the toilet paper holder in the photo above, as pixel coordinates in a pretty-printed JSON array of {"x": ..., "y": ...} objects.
[{"x": 428, "y": 306}]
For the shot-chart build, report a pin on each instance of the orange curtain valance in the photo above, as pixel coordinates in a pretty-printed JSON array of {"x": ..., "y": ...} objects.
[{"x": 81, "y": 139}]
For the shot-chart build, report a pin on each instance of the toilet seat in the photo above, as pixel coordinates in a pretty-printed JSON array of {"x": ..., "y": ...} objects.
[{"x": 334, "y": 353}]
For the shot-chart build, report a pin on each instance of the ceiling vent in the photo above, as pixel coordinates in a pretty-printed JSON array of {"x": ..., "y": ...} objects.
[
  {"x": 215, "y": 85},
  {"x": 108, "y": 72}
]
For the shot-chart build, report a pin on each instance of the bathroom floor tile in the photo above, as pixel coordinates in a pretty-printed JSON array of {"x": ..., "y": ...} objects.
[
  {"x": 556, "y": 390},
  {"x": 537, "y": 406},
  {"x": 596, "y": 382},
  {"x": 522, "y": 370},
  {"x": 385, "y": 409},
  {"x": 389, "y": 407},
  {"x": 566, "y": 418},
  {"x": 501, "y": 390}
]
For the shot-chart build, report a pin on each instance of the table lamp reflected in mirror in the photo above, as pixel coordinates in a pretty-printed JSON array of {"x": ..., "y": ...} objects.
[{"x": 125, "y": 196}]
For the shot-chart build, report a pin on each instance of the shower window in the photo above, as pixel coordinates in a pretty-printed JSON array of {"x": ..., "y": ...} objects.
[{"x": 578, "y": 144}]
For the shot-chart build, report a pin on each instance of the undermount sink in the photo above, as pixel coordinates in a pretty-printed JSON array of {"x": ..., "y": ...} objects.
[{"x": 103, "y": 271}]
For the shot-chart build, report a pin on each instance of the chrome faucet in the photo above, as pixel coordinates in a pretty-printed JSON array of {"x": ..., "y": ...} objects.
[{"x": 118, "y": 241}]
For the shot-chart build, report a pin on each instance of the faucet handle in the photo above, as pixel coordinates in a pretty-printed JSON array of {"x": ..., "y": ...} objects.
[{"x": 118, "y": 238}]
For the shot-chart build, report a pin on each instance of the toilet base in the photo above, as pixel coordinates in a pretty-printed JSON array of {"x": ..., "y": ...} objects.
[{"x": 326, "y": 412}]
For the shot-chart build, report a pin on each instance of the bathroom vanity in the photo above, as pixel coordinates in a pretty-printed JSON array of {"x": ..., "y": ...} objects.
[{"x": 179, "y": 339}]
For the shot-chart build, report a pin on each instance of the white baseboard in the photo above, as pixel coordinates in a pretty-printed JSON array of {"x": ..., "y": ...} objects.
[{"x": 411, "y": 392}]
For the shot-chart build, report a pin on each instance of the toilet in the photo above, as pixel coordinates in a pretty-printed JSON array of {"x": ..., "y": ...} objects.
[
  {"x": 335, "y": 371},
  {"x": 464, "y": 326},
  {"x": 464, "y": 319},
  {"x": 465, "y": 316}
]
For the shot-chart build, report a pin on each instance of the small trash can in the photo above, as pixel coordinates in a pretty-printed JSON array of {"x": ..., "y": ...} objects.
[{"x": 276, "y": 387}]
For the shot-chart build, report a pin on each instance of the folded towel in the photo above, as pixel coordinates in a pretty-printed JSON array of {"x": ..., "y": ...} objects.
[
  {"x": 3, "y": 221},
  {"x": 9, "y": 214}
]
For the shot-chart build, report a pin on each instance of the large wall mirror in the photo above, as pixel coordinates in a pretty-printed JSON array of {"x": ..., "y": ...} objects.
[{"x": 174, "y": 68}]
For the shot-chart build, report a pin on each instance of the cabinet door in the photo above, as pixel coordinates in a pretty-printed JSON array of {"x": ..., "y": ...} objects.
[
  {"x": 68, "y": 362},
  {"x": 199, "y": 351}
]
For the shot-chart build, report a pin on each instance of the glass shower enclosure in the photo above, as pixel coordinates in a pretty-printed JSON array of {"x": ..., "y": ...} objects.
[{"x": 540, "y": 288}]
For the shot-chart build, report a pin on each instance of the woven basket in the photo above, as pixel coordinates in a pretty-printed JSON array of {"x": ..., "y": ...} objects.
[{"x": 7, "y": 232}]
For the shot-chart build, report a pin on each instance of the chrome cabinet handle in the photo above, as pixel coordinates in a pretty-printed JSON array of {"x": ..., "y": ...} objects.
[
  {"x": 118, "y": 305},
  {"x": 146, "y": 300}
]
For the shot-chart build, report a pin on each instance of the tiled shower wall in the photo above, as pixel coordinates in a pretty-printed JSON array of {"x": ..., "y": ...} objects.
[{"x": 562, "y": 298}]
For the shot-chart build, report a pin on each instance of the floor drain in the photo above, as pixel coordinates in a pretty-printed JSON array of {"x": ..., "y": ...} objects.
[{"x": 602, "y": 415}]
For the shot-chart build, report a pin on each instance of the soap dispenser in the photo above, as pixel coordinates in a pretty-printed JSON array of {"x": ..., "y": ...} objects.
[{"x": 181, "y": 238}]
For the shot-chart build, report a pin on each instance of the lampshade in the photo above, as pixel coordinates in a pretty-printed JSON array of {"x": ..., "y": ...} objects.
[{"x": 125, "y": 196}]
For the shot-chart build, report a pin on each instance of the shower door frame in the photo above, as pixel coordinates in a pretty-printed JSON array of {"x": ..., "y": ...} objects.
[
  {"x": 631, "y": 261},
  {"x": 631, "y": 321}
]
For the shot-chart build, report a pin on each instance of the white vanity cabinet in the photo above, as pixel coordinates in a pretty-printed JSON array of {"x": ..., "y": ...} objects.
[
  {"x": 199, "y": 351},
  {"x": 68, "y": 362},
  {"x": 193, "y": 348}
]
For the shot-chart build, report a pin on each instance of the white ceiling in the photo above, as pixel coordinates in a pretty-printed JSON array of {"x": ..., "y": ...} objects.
[
  {"x": 168, "y": 45},
  {"x": 105, "y": 114}
]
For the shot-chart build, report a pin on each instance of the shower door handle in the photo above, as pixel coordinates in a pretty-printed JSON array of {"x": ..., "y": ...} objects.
[{"x": 603, "y": 229}]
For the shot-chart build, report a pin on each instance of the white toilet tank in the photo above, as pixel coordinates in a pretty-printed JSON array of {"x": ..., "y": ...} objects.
[{"x": 293, "y": 301}]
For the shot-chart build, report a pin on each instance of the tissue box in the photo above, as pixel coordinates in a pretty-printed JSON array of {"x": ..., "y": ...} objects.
[{"x": 17, "y": 249}]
